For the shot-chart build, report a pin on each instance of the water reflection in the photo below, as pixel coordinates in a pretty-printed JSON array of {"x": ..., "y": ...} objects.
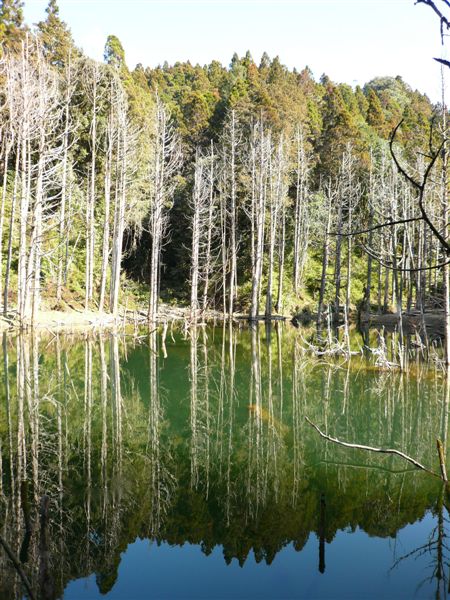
[{"x": 201, "y": 438}]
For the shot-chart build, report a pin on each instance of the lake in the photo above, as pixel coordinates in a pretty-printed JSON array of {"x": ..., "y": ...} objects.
[{"x": 138, "y": 467}]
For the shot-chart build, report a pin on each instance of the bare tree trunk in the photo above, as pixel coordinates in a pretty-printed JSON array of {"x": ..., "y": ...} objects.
[
  {"x": 368, "y": 288},
  {"x": 11, "y": 233},
  {"x": 325, "y": 256},
  {"x": 7, "y": 148},
  {"x": 349, "y": 263},
  {"x": 93, "y": 78},
  {"x": 337, "y": 264},
  {"x": 258, "y": 211},
  {"x": 210, "y": 228},
  {"x": 119, "y": 210},
  {"x": 34, "y": 260},
  {"x": 273, "y": 221},
  {"x": 107, "y": 205},
  {"x": 223, "y": 251},
  {"x": 233, "y": 210},
  {"x": 198, "y": 206},
  {"x": 22, "y": 291},
  {"x": 165, "y": 166},
  {"x": 62, "y": 209},
  {"x": 281, "y": 254},
  {"x": 300, "y": 216},
  {"x": 277, "y": 197},
  {"x": 445, "y": 212}
]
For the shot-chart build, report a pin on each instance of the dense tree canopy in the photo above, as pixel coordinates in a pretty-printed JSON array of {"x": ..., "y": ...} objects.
[{"x": 281, "y": 158}]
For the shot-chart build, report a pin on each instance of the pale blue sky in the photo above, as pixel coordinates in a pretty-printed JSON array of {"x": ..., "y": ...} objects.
[{"x": 350, "y": 40}]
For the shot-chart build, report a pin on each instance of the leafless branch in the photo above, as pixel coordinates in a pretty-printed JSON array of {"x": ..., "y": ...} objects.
[
  {"x": 421, "y": 186},
  {"x": 417, "y": 464},
  {"x": 444, "y": 21},
  {"x": 375, "y": 227},
  {"x": 401, "y": 269}
]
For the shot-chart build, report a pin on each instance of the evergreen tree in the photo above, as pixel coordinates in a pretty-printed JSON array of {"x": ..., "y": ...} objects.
[
  {"x": 339, "y": 128},
  {"x": 276, "y": 71},
  {"x": 265, "y": 61},
  {"x": 56, "y": 37},
  {"x": 363, "y": 104},
  {"x": 375, "y": 115},
  {"x": 12, "y": 27},
  {"x": 114, "y": 54}
]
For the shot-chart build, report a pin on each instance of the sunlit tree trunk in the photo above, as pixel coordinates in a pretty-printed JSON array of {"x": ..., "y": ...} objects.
[
  {"x": 300, "y": 208},
  {"x": 123, "y": 151},
  {"x": 165, "y": 166},
  {"x": 260, "y": 164}
]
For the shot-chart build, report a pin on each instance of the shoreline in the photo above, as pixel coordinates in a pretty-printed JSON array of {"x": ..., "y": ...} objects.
[{"x": 78, "y": 320}]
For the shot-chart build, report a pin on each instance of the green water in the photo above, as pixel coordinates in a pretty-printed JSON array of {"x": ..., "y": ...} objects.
[{"x": 187, "y": 470}]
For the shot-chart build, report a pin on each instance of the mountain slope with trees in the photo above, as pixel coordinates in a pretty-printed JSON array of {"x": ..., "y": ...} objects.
[{"x": 234, "y": 188}]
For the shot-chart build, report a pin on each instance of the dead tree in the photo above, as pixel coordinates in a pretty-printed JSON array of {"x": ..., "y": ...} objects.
[
  {"x": 301, "y": 221},
  {"x": 32, "y": 94},
  {"x": 231, "y": 140},
  {"x": 111, "y": 142},
  {"x": 163, "y": 170},
  {"x": 329, "y": 193},
  {"x": 125, "y": 155},
  {"x": 199, "y": 222},
  {"x": 276, "y": 198},
  {"x": 69, "y": 128},
  {"x": 259, "y": 170},
  {"x": 92, "y": 79},
  {"x": 211, "y": 230}
]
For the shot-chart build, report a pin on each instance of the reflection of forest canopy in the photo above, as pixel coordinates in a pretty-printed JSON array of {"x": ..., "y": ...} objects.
[{"x": 129, "y": 446}]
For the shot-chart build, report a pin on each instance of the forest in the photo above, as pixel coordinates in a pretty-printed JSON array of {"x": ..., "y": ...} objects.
[
  {"x": 220, "y": 207},
  {"x": 237, "y": 188}
]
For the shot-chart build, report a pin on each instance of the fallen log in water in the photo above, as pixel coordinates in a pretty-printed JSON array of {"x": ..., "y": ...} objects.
[
  {"x": 416, "y": 463},
  {"x": 411, "y": 321}
]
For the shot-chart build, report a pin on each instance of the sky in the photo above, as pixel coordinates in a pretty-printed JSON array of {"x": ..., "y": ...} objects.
[{"x": 352, "y": 41}]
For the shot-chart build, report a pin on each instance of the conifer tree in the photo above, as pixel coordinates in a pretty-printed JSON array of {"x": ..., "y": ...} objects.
[
  {"x": 56, "y": 37},
  {"x": 12, "y": 27},
  {"x": 339, "y": 129},
  {"x": 114, "y": 54},
  {"x": 375, "y": 116}
]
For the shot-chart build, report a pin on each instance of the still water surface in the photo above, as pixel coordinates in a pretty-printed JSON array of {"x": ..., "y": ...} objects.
[{"x": 187, "y": 470}]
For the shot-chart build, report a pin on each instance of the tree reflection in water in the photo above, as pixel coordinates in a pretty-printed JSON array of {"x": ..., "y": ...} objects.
[{"x": 207, "y": 445}]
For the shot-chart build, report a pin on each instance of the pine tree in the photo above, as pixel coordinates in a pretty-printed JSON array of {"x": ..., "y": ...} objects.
[
  {"x": 114, "y": 53},
  {"x": 56, "y": 37},
  {"x": 363, "y": 104},
  {"x": 339, "y": 129},
  {"x": 375, "y": 115},
  {"x": 12, "y": 27}
]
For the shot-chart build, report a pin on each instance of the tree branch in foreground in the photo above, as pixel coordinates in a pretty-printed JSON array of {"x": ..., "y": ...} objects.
[
  {"x": 375, "y": 227},
  {"x": 443, "y": 19},
  {"x": 421, "y": 186},
  {"x": 402, "y": 269},
  {"x": 414, "y": 462}
]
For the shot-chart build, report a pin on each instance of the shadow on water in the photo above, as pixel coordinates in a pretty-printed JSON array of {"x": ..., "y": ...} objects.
[{"x": 105, "y": 440}]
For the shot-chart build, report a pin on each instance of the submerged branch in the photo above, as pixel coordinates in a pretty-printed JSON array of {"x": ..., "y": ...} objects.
[{"x": 417, "y": 464}]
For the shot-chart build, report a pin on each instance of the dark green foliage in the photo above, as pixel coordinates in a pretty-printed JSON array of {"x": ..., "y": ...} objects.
[
  {"x": 375, "y": 115},
  {"x": 56, "y": 38},
  {"x": 12, "y": 26},
  {"x": 199, "y": 99},
  {"x": 114, "y": 54},
  {"x": 339, "y": 128}
]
